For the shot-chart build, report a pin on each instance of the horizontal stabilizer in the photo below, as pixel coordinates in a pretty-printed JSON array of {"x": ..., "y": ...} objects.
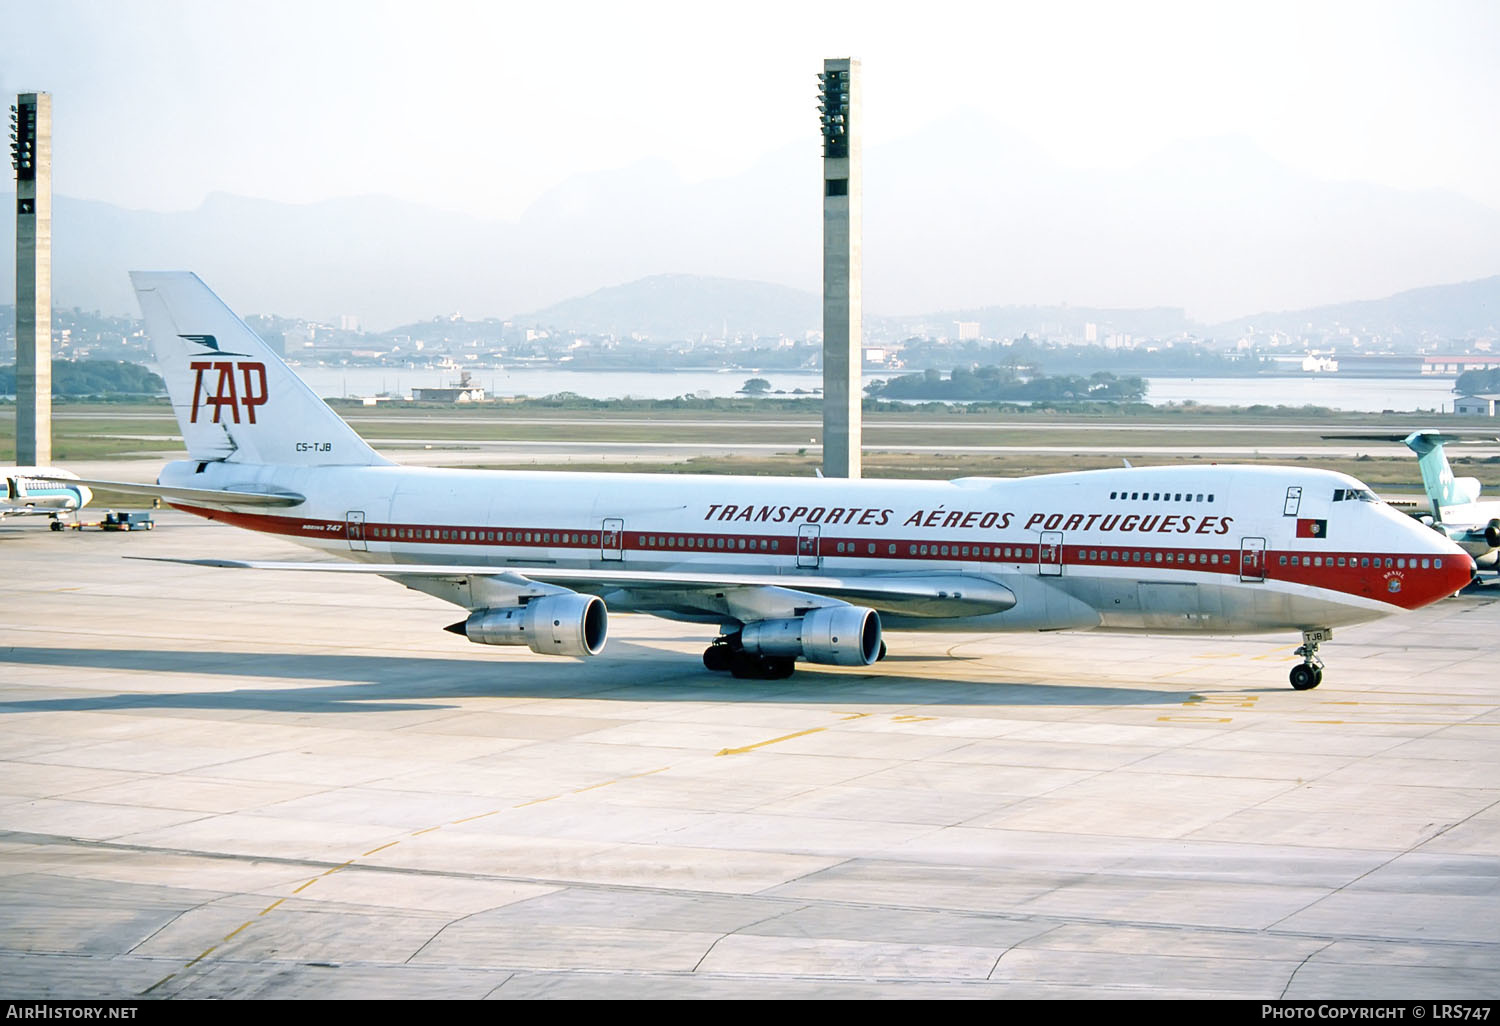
[
  {"x": 1418, "y": 441},
  {"x": 214, "y": 497}
]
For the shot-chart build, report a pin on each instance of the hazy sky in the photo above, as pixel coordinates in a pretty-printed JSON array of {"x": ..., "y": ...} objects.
[{"x": 482, "y": 106}]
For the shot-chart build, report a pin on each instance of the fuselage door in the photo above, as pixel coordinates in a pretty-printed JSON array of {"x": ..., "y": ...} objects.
[
  {"x": 611, "y": 539},
  {"x": 1293, "y": 501},
  {"x": 355, "y": 530},
  {"x": 1252, "y": 559},
  {"x": 808, "y": 554},
  {"x": 1049, "y": 554}
]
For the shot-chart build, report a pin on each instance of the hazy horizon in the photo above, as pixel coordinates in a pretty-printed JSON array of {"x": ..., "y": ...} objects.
[{"x": 1178, "y": 127}]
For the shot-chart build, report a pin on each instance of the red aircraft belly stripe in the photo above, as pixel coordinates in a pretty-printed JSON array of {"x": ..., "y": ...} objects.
[{"x": 1374, "y": 576}]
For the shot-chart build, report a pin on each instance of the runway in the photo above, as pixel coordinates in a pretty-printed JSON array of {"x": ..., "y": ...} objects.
[{"x": 236, "y": 784}]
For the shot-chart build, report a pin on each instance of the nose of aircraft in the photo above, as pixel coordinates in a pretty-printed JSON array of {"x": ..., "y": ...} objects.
[
  {"x": 1472, "y": 572},
  {"x": 1452, "y": 567},
  {"x": 1457, "y": 569}
]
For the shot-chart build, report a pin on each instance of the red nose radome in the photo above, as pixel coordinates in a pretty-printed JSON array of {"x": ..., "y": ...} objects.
[{"x": 1450, "y": 573}]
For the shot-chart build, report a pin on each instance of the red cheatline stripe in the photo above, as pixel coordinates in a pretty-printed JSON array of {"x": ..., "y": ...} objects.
[{"x": 1417, "y": 586}]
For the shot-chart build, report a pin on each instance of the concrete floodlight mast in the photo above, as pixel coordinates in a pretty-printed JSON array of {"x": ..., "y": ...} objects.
[
  {"x": 843, "y": 202},
  {"x": 31, "y": 160}
]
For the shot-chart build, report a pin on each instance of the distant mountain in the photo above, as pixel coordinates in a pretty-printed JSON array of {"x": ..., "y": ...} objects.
[
  {"x": 961, "y": 216},
  {"x": 1463, "y": 310},
  {"x": 685, "y": 306}
]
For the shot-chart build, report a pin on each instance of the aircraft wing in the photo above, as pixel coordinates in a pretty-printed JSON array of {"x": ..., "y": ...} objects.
[
  {"x": 7, "y": 510},
  {"x": 934, "y": 595},
  {"x": 216, "y": 498}
]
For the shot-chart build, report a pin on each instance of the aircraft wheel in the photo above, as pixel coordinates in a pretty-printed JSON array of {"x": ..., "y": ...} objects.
[
  {"x": 57, "y": 525},
  {"x": 752, "y": 667},
  {"x": 1305, "y": 677}
]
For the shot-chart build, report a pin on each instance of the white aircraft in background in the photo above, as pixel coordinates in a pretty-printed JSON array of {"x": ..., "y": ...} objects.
[
  {"x": 1457, "y": 509},
  {"x": 787, "y": 568},
  {"x": 1453, "y": 505},
  {"x": 41, "y": 492}
]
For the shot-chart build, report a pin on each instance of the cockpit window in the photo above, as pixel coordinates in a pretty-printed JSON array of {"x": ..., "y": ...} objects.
[{"x": 1354, "y": 495}]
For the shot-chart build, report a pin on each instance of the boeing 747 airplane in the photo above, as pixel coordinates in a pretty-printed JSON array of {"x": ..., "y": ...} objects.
[{"x": 815, "y": 569}]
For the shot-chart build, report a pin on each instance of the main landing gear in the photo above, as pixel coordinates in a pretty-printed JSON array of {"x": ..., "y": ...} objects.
[
  {"x": 1309, "y": 674},
  {"x": 726, "y": 654}
]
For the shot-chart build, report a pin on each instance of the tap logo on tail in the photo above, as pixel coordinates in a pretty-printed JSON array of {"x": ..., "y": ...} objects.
[
  {"x": 249, "y": 393},
  {"x": 227, "y": 394},
  {"x": 209, "y": 342}
]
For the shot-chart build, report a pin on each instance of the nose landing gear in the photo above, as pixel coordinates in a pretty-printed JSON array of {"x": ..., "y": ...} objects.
[{"x": 1309, "y": 674}]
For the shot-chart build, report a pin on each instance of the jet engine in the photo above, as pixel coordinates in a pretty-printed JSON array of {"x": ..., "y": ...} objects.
[
  {"x": 841, "y": 635},
  {"x": 1492, "y": 534},
  {"x": 568, "y": 625}
]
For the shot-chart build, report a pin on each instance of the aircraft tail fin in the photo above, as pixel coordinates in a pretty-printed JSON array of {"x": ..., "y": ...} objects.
[
  {"x": 234, "y": 397},
  {"x": 1443, "y": 489}
]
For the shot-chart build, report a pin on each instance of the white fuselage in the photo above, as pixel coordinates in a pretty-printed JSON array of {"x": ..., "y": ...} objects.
[
  {"x": 37, "y": 490},
  {"x": 1218, "y": 548}
]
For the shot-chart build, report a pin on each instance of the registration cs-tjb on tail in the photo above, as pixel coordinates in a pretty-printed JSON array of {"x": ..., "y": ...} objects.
[{"x": 786, "y": 568}]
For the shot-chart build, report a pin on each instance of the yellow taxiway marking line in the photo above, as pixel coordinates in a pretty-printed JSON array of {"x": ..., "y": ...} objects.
[
  {"x": 272, "y": 905},
  {"x": 912, "y": 719},
  {"x": 1194, "y": 719},
  {"x": 201, "y": 957},
  {"x": 466, "y": 819},
  {"x": 383, "y": 847},
  {"x": 1285, "y": 652},
  {"x": 773, "y": 741},
  {"x": 305, "y": 886},
  {"x": 237, "y": 929}
]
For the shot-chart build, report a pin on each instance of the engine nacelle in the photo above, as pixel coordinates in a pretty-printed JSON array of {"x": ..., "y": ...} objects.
[
  {"x": 567, "y": 625},
  {"x": 841, "y": 635},
  {"x": 1492, "y": 534}
]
